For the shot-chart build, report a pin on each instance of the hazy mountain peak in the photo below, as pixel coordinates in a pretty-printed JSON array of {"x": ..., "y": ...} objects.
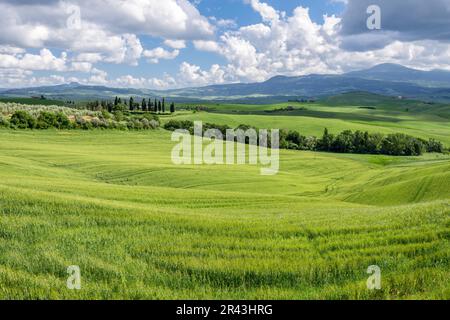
[{"x": 390, "y": 67}]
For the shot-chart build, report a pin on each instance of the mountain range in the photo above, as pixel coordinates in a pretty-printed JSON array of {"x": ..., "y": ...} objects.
[{"x": 385, "y": 79}]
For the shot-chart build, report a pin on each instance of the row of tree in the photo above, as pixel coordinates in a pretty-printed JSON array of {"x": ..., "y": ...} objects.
[
  {"x": 157, "y": 106},
  {"x": 397, "y": 144},
  {"x": 123, "y": 105}
]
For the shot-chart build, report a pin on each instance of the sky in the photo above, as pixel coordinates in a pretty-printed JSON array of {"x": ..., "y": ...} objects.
[{"x": 179, "y": 43}]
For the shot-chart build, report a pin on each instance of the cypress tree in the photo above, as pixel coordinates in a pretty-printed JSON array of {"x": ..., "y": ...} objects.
[
  {"x": 131, "y": 104},
  {"x": 172, "y": 107}
]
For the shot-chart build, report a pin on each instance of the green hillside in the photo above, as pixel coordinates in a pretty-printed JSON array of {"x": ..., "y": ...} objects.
[
  {"x": 140, "y": 227},
  {"x": 373, "y": 113}
]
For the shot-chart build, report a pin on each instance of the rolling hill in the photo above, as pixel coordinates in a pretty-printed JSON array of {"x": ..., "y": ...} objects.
[{"x": 140, "y": 227}]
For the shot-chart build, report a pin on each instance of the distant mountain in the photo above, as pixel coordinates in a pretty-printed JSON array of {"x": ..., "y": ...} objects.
[
  {"x": 75, "y": 91},
  {"x": 306, "y": 86},
  {"x": 399, "y": 73},
  {"x": 385, "y": 79}
]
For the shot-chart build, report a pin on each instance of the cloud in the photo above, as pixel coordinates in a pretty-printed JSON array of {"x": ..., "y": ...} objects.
[
  {"x": 160, "y": 53},
  {"x": 406, "y": 20},
  {"x": 88, "y": 57},
  {"x": 211, "y": 46},
  {"x": 193, "y": 75},
  {"x": 295, "y": 45},
  {"x": 224, "y": 23},
  {"x": 175, "y": 44},
  {"x": 105, "y": 27},
  {"x": 45, "y": 60}
]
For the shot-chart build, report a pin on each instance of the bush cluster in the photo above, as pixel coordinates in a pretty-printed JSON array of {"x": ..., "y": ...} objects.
[{"x": 22, "y": 119}]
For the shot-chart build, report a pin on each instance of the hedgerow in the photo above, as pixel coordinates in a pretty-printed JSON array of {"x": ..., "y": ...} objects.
[{"x": 17, "y": 116}]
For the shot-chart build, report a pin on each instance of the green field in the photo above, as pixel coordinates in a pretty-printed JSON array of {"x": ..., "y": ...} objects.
[
  {"x": 32, "y": 101},
  {"x": 140, "y": 227},
  {"x": 346, "y": 112}
]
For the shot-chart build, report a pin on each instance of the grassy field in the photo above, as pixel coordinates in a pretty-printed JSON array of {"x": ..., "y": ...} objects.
[
  {"x": 353, "y": 111},
  {"x": 140, "y": 227}
]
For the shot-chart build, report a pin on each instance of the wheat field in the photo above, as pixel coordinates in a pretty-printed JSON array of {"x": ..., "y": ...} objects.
[{"x": 140, "y": 227}]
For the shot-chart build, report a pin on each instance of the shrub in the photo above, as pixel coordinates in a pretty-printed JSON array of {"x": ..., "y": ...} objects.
[
  {"x": 106, "y": 115},
  {"x": 23, "y": 120},
  {"x": 434, "y": 146},
  {"x": 122, "y": 126},
  {"x": 118, "y": 116},
  {"x": 62, "y": 121},
  {"x": 3, "y": 122},
  {"x": 120, "y": 108},
  {"x": 150, "y": 117},
  {"x": 96, "y": 123},
  {"x": 79, "y": 122},
  {"x": 154, "y": 124},
  {"x": 173, "y": 125},
  {"x": 46, "y": 120},
  {"x": 137, "y": 124},
  {"x": 145, "y": 123},
  {"x": 130, "y": 125}
]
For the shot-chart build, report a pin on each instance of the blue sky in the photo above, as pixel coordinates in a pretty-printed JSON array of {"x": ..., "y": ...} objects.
[
  {"x": 235, "y": 10},
  {"x": 180, "y": 43}
]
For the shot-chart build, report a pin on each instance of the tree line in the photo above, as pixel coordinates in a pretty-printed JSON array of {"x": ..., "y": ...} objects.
[
  {"x": 358, "y": 142},
  {"x": 123, "y": 105}
]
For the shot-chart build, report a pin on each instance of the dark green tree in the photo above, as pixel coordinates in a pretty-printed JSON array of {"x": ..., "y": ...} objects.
[
  {"x": 131, "y": 104},
  {"x": 172, "y": 107},
  {"x": 150, "y": 105},
  {"x": 326, "y": 142},
  {"x": 343, "y": 142},
  {"x": 435, "y": 146}
]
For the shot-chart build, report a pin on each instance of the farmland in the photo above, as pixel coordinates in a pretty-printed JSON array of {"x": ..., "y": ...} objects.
[
  {"x": 346, "y": 112},
  {"x": 213, "y": 153},
  {"x": 140, "y": 227}
]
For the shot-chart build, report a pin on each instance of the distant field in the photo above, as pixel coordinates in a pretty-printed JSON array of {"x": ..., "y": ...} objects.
[
  {"x": 33, "y": 101},
  {"x": 140, "y": 227},
  {"x": 385, "y": 115}
]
